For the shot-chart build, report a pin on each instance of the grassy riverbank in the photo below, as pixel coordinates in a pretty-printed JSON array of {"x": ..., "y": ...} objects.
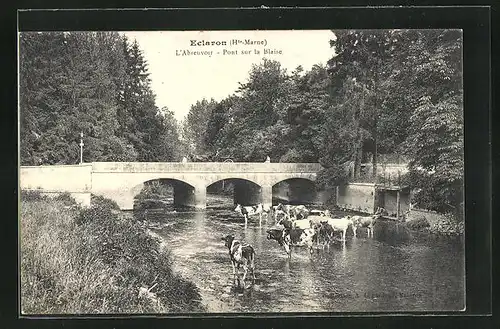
[
  {"x": 442, "y": 224},
  {"x": 94, "y": 260}
]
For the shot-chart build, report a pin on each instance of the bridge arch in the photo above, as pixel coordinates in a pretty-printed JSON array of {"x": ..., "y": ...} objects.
[
  {"x": 213, "y": 180},
  {"x": 175, "y": 191},
  {"x": 296, "y": 190},
  {"x": 244, "y": 191}
]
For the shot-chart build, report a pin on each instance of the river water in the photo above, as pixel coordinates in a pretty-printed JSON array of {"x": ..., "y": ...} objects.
[{"x": 396, "y": 270}]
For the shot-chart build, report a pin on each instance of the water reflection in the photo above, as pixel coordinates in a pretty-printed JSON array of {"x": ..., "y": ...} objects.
[{"x": 395, "y": 270}]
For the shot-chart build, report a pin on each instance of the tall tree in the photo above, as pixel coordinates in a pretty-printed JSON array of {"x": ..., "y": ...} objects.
[
  {"x": 308, "y": 104},
  {"x": 433, "y": 70},
  {"x": 91, "y": 82},
  {"x": 195, "y": 125},
  {"x": 363, "y": 55},
  {"x": 68, "y": 84},
  {"x": 258, "y": 104},
  {"x": 40, "y": 68}
]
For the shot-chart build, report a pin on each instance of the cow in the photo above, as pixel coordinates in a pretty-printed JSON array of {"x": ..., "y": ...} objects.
[
  {"x": 241, "y": 254},
  {"x": 283, "y": 208},
  {"x": 325, "y": 234},
  {"x": 316, "y": 219},
  {"x": 339, "y": 225},
  {"x": 286, "y": 222},
  {"x": 301, "y": 211},
  {"x": 301, "y": 223},
  {"x": 279, "y": 215},
  {"x": 293, "y": 211},
  {"x": 316, "y": 212},
  {"x": 365, "y": 221},
  {"x": 250, "y": 211},
  {"x": 292, "y": 237}
]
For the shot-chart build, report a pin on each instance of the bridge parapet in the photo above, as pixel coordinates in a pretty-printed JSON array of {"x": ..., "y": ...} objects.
[
  {"x": 62, "y": 178},
  {"x": 202, "y": 167}
]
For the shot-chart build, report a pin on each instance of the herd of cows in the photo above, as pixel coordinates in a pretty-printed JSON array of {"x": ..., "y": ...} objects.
[{"x": 294, "y": 226}]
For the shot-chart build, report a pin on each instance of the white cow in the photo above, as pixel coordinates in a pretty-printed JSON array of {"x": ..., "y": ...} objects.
[
  {"x": 302, "y": 223},
  {"x": 340, "y": 225},
  {"x": 364, "y": 221}
]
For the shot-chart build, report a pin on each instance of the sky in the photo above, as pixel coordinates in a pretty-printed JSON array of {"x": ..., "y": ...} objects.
[{"x": 179, "y": 80}]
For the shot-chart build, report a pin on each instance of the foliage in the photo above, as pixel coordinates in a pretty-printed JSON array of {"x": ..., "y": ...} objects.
[
  {"x": 91, "y": 82},
  {"x": 105, "y": 265},
  {"x": 435, "y": 141},
  {"x": 100, "y": 201},
  {"x": 399, "y": 91},
  {"x": 66, "y": 199},
  {"x": 418, "y": 223},
  {"x": 29, "y": 195},
  {"x": 196, "y": 125},
  {"x": 449, "y": 225}
]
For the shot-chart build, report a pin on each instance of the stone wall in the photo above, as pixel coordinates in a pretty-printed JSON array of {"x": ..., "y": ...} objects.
[
  {"x": 67, "y": 178},
  {"x": 357, "y": 196},
  {"x": 390, "y": 202}
]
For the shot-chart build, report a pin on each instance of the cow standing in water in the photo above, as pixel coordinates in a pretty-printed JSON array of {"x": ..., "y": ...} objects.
[
  {"x": 365, "y": 221},
  {"x": 241, "y": 254},
  {"x": 293, "y": 211},
  {"x": 292, "y": 237},
  {"x": 251, "y": 211}
]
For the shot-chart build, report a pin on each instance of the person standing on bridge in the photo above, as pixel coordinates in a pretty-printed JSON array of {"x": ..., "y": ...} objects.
[
  {"x": 268, "y": 159},
  {"x": 184, "y": 160}
]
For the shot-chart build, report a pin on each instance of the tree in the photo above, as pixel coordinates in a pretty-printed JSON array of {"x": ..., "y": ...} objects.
[
  {"x": 195, "y": 125},
  {"x": 91, "y": 82},
  {"x": 68, "y": 84},
  {"x": 308, "y": 104},
  {"x": 363, "y": 56},
  {"x": 217, "y": 121},
  {"x": 40, "y": 70},
  {"x": 259, "y": 104},
  {"x": 433, "y": 68}
]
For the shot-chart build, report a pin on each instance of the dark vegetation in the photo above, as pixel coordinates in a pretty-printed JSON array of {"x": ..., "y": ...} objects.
[
  {"x": 419, "y": 223},
  {"x": 94, "y": 260},
  {"x": 91, "y": 82}
]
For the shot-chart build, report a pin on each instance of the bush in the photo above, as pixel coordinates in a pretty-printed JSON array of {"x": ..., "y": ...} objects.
[
  {"x": 449, "y": 224},
  {"x": 100, "y": 201},
  {"x": 66, "y": 199},
  {"x": 105, "y": 264},
  {"x": 29, "y": 195},
  {"x": 97, "y": 212},
  {"x": 418, "y": 223}
]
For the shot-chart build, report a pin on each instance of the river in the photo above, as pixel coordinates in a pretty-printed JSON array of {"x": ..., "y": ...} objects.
[{"x": 396, "y": 270}]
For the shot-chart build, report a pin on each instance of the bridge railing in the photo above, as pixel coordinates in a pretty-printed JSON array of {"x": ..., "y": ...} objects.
[{"x": 204, "y": 167}]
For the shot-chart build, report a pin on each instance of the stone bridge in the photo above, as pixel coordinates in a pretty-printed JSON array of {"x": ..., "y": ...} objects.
[{"x": 122, "y": 181}]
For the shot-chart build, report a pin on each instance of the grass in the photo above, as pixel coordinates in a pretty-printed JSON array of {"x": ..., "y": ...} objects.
[{"x": 87, "y": 261}]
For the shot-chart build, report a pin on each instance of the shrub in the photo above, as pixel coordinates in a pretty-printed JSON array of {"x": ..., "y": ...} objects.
[
  {"x": 449, "y": 224},
  {"x": 105, "y": 264},
  {"x": 100, "y": 201},
  {"x": 97, "y": 212},
  {"x": 66, "y": 199},
  {"x": 30, "y": 195},
  {"x": 418, "y": 223}
]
